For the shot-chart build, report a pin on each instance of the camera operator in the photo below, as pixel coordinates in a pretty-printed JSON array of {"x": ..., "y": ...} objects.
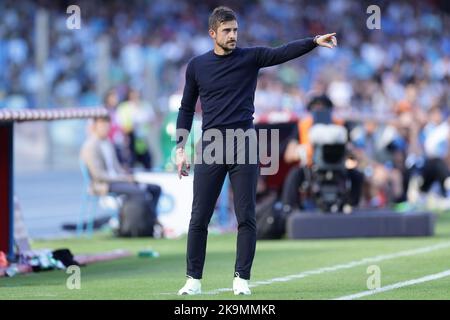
[{"x": 299, "y": 149}]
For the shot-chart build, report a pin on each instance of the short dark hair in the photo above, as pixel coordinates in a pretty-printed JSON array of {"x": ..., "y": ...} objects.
[
  {"x": 104, "y": 118},
  {"x": 219, "y": 15}
]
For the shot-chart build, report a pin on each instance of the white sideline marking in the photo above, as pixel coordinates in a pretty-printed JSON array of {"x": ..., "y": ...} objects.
[
  {"x": 397, "y": 285},
  {"x": 337, "y": 267}
]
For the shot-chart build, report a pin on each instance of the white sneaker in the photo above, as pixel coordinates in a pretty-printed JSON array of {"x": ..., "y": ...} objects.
[
  {"x": 192, "y": 287},
  {"x": 240, "y": 286}
]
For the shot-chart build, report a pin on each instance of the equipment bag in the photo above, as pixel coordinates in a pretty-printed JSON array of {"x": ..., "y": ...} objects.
[
  {"x": 270, "y": 219},
  {"x": 137, "y": 218}
]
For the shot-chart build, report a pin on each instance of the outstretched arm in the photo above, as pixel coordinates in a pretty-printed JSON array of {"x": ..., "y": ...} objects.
[{"x": 266, "y": 57}]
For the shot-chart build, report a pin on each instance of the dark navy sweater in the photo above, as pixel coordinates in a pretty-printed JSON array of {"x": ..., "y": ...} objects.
[{"x": 226, "y": 83}]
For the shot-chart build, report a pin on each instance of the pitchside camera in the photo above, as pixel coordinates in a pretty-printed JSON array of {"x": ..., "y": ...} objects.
[{"x": 329, "y": 184}]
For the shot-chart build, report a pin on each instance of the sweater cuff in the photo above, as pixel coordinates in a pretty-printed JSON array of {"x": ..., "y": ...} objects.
[{"x": 314, "y": 40}]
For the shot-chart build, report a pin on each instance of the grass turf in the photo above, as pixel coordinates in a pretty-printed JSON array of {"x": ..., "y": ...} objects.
[{"x": 160, "y": 278}]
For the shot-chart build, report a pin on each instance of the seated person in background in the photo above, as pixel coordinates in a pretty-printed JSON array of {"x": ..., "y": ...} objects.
[
  {"x": 435, "y": 137},
  {"x": 106, "y": 173},
  {"x": 300, "y": 149}
]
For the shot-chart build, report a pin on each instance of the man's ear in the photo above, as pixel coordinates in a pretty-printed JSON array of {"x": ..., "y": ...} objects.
[{"x": 212, "y": 33}]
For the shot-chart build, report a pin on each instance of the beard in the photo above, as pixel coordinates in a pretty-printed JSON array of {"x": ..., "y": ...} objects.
[{"x": 227, "y": 46}]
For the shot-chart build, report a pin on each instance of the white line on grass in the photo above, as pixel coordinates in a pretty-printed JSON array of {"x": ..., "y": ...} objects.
[
  {"x": 397, "y": 285},
  {"x": 348, "y": 265},
  {"x": 344, "y": 266}
]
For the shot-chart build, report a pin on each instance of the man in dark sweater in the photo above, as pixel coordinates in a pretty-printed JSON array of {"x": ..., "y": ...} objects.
[{"x": 225, "y": 80}]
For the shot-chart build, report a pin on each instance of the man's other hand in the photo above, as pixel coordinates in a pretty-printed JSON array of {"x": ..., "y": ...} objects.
[{"x": 183, "y": 165}]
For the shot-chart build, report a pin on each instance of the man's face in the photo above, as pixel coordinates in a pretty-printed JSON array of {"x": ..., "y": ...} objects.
[
  {"x": 101, "y": 128},
  {"x": 226, "y": 35}
]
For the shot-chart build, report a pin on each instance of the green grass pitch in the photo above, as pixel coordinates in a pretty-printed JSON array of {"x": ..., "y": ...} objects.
[{"x": 160, "y": 278}]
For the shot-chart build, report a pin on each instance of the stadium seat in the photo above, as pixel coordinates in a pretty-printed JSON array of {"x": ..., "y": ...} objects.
[{"x": 90, "y": 203}]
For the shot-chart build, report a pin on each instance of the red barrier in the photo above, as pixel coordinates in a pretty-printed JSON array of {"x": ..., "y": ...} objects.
[
  {"x": 6, "y": 185},
  {"x": 7, "y": 119}
]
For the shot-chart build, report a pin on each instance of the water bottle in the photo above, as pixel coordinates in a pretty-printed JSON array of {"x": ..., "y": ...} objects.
[{"x": 148, "y": 254}]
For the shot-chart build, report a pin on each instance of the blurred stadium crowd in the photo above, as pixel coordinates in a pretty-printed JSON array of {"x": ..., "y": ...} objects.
[
  {"x": 401, "y": 71},
  {"x": 373, "y": 69}
]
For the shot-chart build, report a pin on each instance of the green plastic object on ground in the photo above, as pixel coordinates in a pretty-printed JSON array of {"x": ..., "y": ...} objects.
[{"x": 148, "y": 254}]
